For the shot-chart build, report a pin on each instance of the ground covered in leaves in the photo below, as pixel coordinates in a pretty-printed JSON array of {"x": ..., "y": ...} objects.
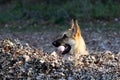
[{"x": 32, "y": 56}]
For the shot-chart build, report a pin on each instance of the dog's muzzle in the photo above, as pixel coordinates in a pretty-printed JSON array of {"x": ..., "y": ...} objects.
[{"x": 57, "y": 43}]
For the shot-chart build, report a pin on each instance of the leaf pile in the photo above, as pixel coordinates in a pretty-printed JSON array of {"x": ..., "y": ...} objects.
[{"x": 20, "y": 61}]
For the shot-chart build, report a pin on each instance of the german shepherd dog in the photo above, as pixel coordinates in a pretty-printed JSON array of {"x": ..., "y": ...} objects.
[{"x": 72, "y": 42}]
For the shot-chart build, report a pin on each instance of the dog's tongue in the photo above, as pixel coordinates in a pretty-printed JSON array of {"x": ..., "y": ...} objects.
[{"x": 61, "y": 49}]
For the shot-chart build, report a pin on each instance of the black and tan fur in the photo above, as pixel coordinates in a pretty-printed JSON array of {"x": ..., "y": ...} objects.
[{"x": 73, "y": 42}]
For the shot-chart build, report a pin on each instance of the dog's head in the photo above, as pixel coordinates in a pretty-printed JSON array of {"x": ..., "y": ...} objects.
[{"x": 71, "y": 40}]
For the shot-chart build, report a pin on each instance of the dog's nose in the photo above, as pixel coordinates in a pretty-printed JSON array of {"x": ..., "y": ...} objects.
[{"x": 54, "y": 43}]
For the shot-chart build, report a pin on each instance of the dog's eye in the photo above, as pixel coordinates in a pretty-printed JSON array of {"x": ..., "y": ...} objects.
[{"x": 64, "y": 36}]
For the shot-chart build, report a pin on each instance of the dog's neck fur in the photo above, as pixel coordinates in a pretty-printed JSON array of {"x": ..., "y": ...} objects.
[{"x": 79, "y": 48}]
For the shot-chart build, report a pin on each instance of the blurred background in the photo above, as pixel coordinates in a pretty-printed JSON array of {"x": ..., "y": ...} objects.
[
  {"x": 39, "y": 15},
  {"x": 28, "y": 28}
]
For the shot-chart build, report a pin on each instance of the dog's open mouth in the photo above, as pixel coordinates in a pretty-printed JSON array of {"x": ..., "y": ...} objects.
[{"x": 63, "y": 49}]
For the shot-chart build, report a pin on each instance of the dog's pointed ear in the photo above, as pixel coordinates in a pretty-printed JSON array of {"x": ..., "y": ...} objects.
[
  {"x": 77, "y": 28},
  {"x": 72, "y": 25}
]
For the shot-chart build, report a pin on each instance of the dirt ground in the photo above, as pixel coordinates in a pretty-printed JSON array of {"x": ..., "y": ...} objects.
[{"x": 96, "y": 40}]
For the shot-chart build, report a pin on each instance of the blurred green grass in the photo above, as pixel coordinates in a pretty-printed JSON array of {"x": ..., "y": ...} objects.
[{"x": 50, "y": 13}]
